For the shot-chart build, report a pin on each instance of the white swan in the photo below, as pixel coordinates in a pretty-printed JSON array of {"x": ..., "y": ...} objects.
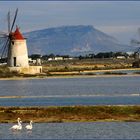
[
  {"x": 17, "y": 127},
  {"x": 30, "y": 126},
  {"x": 20, "y": 126}
]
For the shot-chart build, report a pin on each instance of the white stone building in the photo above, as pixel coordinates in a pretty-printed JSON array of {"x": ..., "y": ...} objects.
[{"x": 18, "y": 55}]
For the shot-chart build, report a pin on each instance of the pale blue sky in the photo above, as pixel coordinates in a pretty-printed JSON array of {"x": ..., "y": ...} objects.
[{"x": 120, "y": 19}]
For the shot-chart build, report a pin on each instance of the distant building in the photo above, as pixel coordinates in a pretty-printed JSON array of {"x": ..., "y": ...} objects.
[
  {"x": 58, "y": 58},
  {"x": 55, "y": 58},
  {"x": 70, "y": 58},
  {"x": 120, "y": 57},
  {"x": 35, "y": 61},
  {"x": 50, "y": 59}
]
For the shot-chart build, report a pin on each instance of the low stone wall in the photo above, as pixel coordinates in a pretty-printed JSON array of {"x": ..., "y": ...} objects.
[{"x": 27, "y": 70}]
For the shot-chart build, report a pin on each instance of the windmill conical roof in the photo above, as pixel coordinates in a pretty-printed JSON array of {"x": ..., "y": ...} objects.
[{"x": 17, "y": 35}]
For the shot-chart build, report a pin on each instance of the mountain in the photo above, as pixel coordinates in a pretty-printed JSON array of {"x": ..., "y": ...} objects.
[{"x": 72, "y": 40}]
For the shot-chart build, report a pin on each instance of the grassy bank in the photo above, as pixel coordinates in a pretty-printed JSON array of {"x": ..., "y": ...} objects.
[
  {"x": 70, "y": 113},
  {"x": 84, "y": 67},
  {"x": 5, "y": 74}
]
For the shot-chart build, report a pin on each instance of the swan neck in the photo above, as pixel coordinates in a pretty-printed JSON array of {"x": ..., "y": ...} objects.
[
  {"x": 31, "y": 123},
  {"x": 18, "y": 122}
]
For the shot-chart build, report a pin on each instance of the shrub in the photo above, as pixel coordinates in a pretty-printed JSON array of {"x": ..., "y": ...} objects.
[{"x": 115, "y": 73}]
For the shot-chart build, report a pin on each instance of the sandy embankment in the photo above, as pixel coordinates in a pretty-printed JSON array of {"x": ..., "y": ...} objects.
[{"x": 75, "y": 74}]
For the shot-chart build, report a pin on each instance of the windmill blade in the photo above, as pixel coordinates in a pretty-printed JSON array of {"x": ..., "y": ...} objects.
[
  {"x": 3, "y": 35},
  {"x": 4, "y": 47},
  {"x": 1, "y": 32},
  {"x": 138, "y": 50},
  {"x": 134, "y": 42},
  {"x": 6, "y": 50},
  {"x": 14, "y": 20},
  {"x": 8, "y": 19}
]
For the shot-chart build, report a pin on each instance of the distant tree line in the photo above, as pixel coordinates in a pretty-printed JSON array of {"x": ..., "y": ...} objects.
[
  {"x": 87, "y": 56},
  {"x": 47, "y": 56},
  {"x": 104, "y": 55}
]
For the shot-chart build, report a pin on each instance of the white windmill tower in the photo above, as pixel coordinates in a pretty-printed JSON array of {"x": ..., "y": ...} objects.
[{"x": 15, "y": 50}]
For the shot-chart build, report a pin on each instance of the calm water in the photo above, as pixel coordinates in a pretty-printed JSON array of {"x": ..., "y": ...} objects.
[
  {"x": 72, "y": 91},
  {"x": 97, "y": 130}
]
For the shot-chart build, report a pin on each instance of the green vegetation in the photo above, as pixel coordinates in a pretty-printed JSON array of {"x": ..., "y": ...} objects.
[
  {"x": 5, "y": 72},
  {"x": 115, "y": 73},
  {"x": 138, "y": 72},
  {"x": 71, "y": 113},
  {"x": 74, "y": 67},
  {"x": 86, "y": 56},
  {"x": 89, "y": 73},
  {"x": 87, "y": 65}
]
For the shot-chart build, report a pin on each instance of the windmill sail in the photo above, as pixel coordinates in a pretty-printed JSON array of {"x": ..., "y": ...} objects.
[
  {"x": 8, "y": 19},
  {"x": 6, "y": 45},
  {"x": 14, "y": 20}
]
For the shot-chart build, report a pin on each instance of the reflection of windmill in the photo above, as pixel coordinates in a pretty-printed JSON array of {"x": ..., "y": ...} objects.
[{"x": 14, "y": 47}]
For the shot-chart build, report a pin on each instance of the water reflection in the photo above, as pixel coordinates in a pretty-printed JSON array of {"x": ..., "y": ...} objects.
[
  {"x": 73, "y": 91},
  {"x": 72, "y": 86},
  {"x": 68, "y": 101}
]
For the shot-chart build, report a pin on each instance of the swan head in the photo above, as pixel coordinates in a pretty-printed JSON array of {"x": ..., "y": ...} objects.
[
  {"x": 18, "y": 119},
  {"x": 31, "y": 121}
]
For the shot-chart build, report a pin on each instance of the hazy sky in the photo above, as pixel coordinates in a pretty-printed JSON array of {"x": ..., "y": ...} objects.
[{"x": 120, "y": 19}]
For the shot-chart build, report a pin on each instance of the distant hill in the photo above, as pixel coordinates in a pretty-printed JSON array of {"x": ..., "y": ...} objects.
[{"x": 72, "y": 40}]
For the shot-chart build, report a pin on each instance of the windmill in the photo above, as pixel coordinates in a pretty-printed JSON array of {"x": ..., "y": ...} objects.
[
  {"x": 7, "y": 36},
  {"x": 136, "y": 43},
  {"x": 14, "y": 49}
]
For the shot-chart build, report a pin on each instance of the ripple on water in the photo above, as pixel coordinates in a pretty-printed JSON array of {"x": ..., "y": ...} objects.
[{"x": 96, "y": 130}]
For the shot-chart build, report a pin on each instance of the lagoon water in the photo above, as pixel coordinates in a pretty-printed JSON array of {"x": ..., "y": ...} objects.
[
  {"x": 96, "y": 130},
  {"x": 123, "y": 90},
  {"x": 72, "y": 91}
]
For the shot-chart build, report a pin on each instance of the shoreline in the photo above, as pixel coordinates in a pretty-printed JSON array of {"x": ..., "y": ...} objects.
[
  {"x": 75, "y": 74},
  {"x": 71, "y": 76},
  {"x": 106, "y": 70},
  {"x": 61, "y": 114}
]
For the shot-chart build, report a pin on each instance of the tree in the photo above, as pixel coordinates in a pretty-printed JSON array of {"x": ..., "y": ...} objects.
[
  {"x": 51, "y": 55},
  {"x": 35, "y": 56},
  {"x": 45, "y": 57},
  {"x": 104, "y": 55}
]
